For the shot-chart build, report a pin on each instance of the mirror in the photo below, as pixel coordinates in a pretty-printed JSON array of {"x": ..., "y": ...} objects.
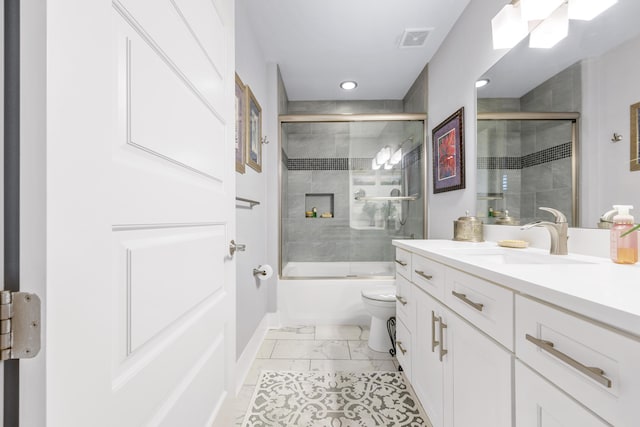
[{"x": 539, "y": 154}]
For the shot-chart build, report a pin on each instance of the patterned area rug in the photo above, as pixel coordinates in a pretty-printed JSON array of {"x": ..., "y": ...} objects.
[{"x": 333, "y": 399}]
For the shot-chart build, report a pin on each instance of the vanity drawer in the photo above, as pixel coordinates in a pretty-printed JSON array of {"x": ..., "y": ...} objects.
[
  {"x": 428, "y": 275},
  {"x": 565, "y": 349},
  {"x": 487, "y": 306},
  {"x": 404, "y": 348},
  {"x": 405, "y": 302},
  {"x": 403, "y": 263}
]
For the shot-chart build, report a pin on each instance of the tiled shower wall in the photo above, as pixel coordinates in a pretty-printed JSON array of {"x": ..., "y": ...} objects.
[
  {"x": 533, "y": 155},
  {"x": 329, "y": 239}
]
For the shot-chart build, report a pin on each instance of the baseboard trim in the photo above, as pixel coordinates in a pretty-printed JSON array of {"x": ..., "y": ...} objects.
[{"x": 269, "y": 321}]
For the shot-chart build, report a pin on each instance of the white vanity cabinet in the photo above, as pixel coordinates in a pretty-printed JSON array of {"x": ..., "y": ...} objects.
[
  {"x": 461, "y": 376},
  {"x": 488, "y": 350}
]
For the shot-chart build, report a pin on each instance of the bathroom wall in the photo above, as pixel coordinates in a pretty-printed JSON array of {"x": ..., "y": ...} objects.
[
  {"x": 465, "y": 54},
  {"x": 253, "y": 297},
  {"x": 613, "y": 87},
  {"x": 332, "y": 239}
]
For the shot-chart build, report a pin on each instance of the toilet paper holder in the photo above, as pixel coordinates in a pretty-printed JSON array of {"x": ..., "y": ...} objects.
[{"x": 257, "y": 271}]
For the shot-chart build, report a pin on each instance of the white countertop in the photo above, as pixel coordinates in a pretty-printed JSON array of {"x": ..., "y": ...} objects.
[{"x": 599, "y": 289}]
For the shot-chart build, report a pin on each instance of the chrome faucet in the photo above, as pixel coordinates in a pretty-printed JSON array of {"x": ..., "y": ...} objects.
[{"x": 557, "y": 230}]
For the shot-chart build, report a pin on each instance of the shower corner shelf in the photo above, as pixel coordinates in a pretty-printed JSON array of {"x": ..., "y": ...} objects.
[{"x": 252, "y": 203}]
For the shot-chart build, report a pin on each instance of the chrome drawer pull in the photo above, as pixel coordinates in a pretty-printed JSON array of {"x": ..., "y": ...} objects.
[
  {"x": 422, "y": 274},
  {"x": 434, "y": 343},
  {"x": 595, "y": 374},
  {"x": 402, "y": 300},
  {"x": 402, "y": 263},
  {"x": 464, "y": 298},
  {"x": 402, "y": 349},
  {"x": 442, "y": 349}
]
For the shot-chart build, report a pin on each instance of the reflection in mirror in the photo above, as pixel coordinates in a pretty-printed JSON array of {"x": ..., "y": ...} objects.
[{"x": 524, "y": 164}]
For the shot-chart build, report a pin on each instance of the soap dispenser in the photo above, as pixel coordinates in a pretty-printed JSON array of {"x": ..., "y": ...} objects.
[{"x": 624, "y": 250}]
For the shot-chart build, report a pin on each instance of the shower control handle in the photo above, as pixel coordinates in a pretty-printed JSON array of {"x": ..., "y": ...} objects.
[
  {"x": 401, "y": 300},
  {"x": 402, "y": 263},
  {"x": 423, "y": 274}
]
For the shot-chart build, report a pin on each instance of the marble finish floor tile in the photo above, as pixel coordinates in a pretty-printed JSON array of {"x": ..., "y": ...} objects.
[
  {"x": 292, "y": 333},
  {"x": 310, "y": 349},
  {"x": 260, "y": 365},
  {"x": 342, "y": 332},
  {"x": 266, "y": 349},
  {"x": 352, "y": 365},
  {"x": 360, "y": 351},
  {"x": 242, "y": 403}
]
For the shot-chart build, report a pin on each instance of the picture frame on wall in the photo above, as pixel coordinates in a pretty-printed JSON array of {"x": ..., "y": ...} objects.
[
  {"x": 448, "y": 153},
  {"x": 634, "y": 158},
  {"x": 241, "y": 125},
  {"x": 254, "y": 132}
]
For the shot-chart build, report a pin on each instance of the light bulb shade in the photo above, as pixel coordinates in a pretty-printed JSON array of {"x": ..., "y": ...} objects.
[
  {"x": 383, "y": 155},
  {"x": 586, "y": 10},
  {"x": 388, "y": 165},
  {"x": 374, "y": 165},
  {"x": 536, "y": 10},
  {"x": 397, "y": 156},
  {"x": 551, "y": 30},
  {"x": 508, "y": 28}
]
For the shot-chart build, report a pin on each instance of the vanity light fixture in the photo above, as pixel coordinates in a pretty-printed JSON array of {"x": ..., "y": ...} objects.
[
  {"x": 586, "y": 10},
  {"x": 508, "y": 27},
  {"x": 549, "y": 20},
  {"x": 383, "y": 155},
  {"x": 374, "y": 165},
  {"x": 388, "y": 165},
  {"x": 551, "y": 30},
  {"x": 348, "y": 85},
  {"x": 536, "y": 10},
  {"x": 397, "y": 156},
  {"x": 482, "y": 83}
]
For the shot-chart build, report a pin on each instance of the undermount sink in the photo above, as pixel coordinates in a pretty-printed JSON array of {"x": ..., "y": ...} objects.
[{"x": 494, "y": 256}]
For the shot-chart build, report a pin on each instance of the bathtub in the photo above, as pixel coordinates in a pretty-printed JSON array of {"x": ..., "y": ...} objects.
[{"x": 328, "y": 293}]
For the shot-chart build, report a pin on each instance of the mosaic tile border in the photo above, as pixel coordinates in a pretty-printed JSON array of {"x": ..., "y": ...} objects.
[
  {"x": 547, "y": 155},
  {"x": 341, "y": 163}
]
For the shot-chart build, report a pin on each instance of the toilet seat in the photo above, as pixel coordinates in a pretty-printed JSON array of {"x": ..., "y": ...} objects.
[{"x": 387, "y": 294}]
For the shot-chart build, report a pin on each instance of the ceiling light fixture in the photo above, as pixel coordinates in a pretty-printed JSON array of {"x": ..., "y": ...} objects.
[
  {"x": 349, "y": 85},
  {"x": 586, "y": 10},
  {"x": 482, "y": 83}
]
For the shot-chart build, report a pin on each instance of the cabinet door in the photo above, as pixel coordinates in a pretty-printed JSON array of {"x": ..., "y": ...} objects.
[
  {"x": 477, "y": 378},
  {"x": 540, "y": 404},
  {"x": 427, "y": 370}
]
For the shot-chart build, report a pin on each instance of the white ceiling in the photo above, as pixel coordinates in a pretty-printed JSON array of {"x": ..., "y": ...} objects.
[{"x": 320, "y": 43}]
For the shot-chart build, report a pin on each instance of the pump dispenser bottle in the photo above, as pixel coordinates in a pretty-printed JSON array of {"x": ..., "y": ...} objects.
[{"x": 624, "y": 250}]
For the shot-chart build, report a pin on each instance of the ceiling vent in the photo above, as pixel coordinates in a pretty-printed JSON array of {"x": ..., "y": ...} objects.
[{"x": 414, "y": 37}]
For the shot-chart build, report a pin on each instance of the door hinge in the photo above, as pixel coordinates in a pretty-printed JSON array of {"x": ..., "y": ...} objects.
[{"x": 19, "y": 325}]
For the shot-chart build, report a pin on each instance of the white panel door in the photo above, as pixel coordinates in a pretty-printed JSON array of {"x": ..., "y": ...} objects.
[{"x": 140, "y": 184}]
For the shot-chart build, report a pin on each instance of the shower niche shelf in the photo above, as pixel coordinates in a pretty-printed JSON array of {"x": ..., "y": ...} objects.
[{"x": 323, "y": 202}]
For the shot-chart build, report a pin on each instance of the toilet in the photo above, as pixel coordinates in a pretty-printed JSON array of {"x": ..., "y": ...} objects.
[{"x": 381, "y": 305}]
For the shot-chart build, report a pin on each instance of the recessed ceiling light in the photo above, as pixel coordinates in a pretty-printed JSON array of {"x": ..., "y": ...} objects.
[
  {"x": 482, "y": 82},
  {"x": 348, "y": 85}
]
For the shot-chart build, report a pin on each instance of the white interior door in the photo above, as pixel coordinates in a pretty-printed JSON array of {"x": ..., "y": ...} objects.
[{"x": 140, "y": 185}]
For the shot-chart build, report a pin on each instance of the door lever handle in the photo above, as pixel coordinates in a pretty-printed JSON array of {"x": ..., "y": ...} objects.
[{"x": 233, "y": 247}]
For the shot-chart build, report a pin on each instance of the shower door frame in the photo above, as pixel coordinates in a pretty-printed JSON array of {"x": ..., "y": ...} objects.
[
  {"x": 343, "y": 118},
  {"x": 574, "y": 118}
]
